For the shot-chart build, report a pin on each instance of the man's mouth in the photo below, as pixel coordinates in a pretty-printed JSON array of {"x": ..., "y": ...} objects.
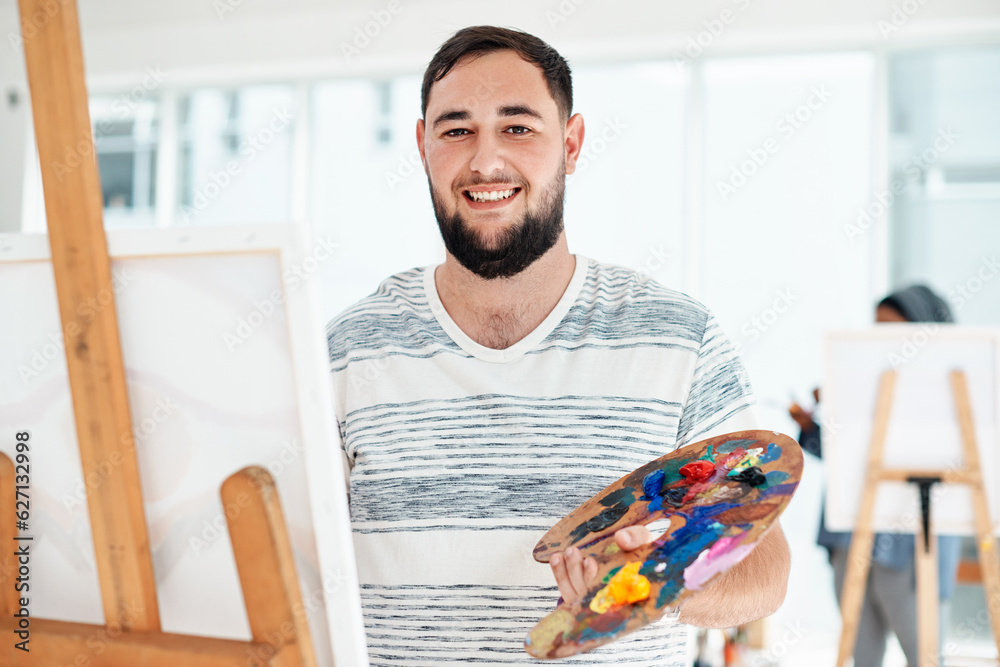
[{"x": 491, "y": 195}]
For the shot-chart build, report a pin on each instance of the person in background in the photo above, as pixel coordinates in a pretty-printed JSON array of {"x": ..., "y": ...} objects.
[{"x": 890, "y": 604}]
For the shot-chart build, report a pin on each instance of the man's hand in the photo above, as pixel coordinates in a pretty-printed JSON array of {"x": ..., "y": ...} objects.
[
  {"x": 575, "y": 574},
  {"x": 753, "y": 588}
]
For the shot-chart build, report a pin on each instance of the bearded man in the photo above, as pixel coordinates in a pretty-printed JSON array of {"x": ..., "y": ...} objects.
[{"x": 482, "y": 399}]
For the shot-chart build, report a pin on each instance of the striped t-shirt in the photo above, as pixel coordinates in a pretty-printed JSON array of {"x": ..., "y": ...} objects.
[{"x": 462, "y": 456}]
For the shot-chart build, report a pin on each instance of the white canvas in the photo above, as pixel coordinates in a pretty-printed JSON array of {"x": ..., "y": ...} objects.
[
  {"x": 923, "y": 430},
  {"x": 226, "y": 367}
]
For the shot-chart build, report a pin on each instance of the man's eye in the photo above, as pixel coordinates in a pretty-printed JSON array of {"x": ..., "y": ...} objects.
[
  {"x": 456, "y": 132},
  {"x": 518, "y": 129}
]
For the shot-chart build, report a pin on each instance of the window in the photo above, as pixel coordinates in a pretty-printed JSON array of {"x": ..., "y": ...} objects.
[
  {"x": 944, "y": 164},
  {"x": 235, "y": 155},
  {"x": 126, "y": 136}
]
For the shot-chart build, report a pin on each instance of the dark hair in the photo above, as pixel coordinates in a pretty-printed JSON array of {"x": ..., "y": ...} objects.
[{"x": 479, "y": 40}]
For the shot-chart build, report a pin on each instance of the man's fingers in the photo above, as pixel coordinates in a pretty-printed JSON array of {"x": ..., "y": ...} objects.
[
  {"x": 574, "y": 574},
  {"x": 633, "y": 537},
  {"x": 574, "y": 568},
  {"x": 558, "y": 565}
]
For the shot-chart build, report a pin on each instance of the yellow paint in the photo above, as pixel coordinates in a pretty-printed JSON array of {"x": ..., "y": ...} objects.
[
  {"x": 559, "y": 623},
  {"x": 626, "y": 587},
  {"x": 751, "y": 458},
  {"x": 602, "y": 601}
]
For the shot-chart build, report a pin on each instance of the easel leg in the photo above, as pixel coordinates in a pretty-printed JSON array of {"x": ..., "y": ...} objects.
[
  {"x": 853, "y": 595},
  {"x": 8, "y": 562},
  {"x": 267, "y": 569},
  {"x": 860, "y": 555},
  {"x": 928, "y": 641},
  {"x": 989, "y": 561}
]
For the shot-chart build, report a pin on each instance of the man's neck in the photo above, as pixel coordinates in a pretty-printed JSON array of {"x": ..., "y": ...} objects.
[{"x": 498, "y": 313}]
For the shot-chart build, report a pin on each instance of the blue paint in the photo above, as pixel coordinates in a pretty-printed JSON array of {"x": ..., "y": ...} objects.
[
  {"x": 780, "y": 490},
  {"x": 773, "y": 453},
  {"x": 683, "y": 547},
  {"x": 675, "y": 497},
  {"x": 774, "y": 478},
  {"x": 652, "y": 484}
]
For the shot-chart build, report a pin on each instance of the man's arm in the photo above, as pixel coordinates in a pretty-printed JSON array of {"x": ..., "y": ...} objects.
[{"x": 754, "y": 588}]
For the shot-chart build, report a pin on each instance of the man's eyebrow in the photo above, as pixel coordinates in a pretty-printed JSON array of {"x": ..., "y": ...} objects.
[
  {"x": 450, "y": 116},
  {"x": 505, "y": 111},
  {"x": 518, "y": 110}
]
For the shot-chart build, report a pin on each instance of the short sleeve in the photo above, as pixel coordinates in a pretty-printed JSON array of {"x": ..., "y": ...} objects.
[{"x": 720, "y": 399}]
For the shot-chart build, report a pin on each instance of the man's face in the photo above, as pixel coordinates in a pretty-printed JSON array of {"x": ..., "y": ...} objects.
[{"x": 496, "y": 154}]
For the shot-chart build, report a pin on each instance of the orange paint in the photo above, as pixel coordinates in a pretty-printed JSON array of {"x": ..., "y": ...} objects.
[{"x": 626, "y": 587}]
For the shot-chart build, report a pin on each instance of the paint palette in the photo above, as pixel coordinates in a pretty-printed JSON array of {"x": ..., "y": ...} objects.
[{"x": 720, "y": 496}]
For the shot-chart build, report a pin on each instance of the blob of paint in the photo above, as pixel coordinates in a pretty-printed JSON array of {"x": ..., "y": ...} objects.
[
  {"x": 626, "y": 587},
  {"x": 698, "y": 470}
]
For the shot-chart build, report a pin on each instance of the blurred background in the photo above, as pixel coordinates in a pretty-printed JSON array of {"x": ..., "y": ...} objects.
[{"x": 787, "y": 162}]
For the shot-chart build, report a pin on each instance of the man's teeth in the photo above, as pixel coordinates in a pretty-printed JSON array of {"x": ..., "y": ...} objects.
[{"x": 496, "y": 195}]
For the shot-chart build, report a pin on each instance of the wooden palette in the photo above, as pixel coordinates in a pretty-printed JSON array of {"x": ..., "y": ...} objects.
[{"x": 720, "y": 496}]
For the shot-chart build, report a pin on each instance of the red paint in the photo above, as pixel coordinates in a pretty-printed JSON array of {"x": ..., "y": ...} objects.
[{"x": 698, "y": 471}]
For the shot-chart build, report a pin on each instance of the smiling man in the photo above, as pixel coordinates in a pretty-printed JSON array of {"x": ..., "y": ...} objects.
[{"x": 483, "y": 399}]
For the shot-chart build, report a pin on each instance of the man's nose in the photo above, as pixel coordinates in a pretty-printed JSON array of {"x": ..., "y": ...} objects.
[{"x": 488, "y": 157}]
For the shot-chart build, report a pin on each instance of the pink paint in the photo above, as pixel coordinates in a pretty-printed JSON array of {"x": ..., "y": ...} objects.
[{"x": 718, "y": 558}]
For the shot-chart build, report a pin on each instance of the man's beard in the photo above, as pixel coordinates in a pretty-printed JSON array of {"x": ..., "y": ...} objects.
[{"x": 508, "y": 252}]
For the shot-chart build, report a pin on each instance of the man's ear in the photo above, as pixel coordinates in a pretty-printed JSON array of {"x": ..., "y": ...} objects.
[
  {"x": 420, "y": 141},
  {"x": 574, "y": 141}
]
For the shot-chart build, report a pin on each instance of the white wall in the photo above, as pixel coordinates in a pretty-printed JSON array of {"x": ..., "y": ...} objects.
[
  {"x": 193, "y": 39},
  {"x": 227, "y": 41}
]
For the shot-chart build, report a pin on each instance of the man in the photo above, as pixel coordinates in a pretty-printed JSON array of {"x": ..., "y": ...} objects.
[{"x": 483, "y": 399}]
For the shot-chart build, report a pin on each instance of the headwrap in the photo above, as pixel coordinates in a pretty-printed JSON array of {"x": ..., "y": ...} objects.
[{"x": 918, "y": 303}]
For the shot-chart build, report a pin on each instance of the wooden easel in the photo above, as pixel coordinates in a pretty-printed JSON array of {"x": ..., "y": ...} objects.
[
  {"x": 82, "y": 268},
  {"x": 859, "y": 555}
]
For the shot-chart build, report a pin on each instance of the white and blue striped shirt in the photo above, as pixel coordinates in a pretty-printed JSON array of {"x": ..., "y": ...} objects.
[{"x": 462, "y": 456}]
